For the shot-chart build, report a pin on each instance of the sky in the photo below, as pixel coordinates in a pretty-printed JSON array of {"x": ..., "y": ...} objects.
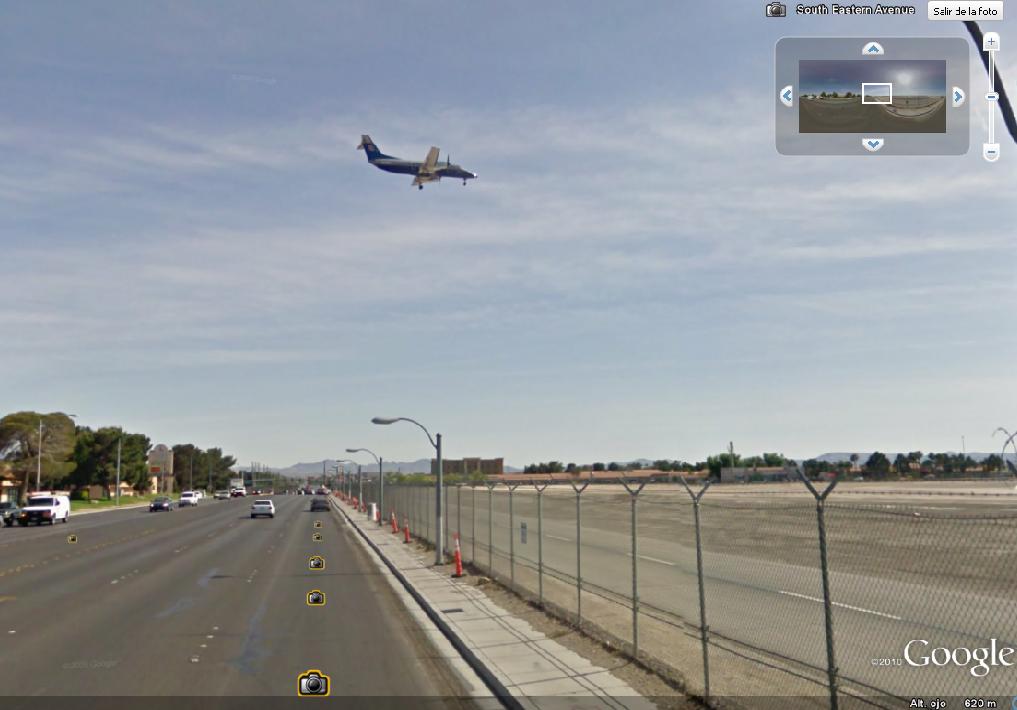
[
  {"x": 191, "y": 246},
  {"x": 908, "y": 77}
]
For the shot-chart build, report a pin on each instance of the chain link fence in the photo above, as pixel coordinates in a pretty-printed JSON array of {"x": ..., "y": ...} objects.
[{"x": 834, "y": 599}]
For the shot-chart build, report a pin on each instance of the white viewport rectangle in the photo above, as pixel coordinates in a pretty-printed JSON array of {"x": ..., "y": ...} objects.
[{"x": 877, "y": 93}]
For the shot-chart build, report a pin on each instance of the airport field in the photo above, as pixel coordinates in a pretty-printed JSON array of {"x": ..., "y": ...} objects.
[{"x": 931, "y": 560}]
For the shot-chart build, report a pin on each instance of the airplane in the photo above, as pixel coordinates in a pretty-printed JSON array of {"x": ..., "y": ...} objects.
[{"x": 428, "y": 171}]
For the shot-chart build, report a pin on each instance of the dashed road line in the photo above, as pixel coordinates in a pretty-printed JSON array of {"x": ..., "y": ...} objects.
[{"x": 843, "y": 606}]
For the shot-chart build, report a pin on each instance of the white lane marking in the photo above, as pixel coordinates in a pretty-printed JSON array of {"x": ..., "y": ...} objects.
[
  {"x": 843, "y": 606},
  {"x": 555, "y": 537},
  {"x": 653, "y": 559}
]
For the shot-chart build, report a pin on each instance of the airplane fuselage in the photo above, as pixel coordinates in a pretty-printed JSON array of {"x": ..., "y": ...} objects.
[{"x": 395, "y": 165}]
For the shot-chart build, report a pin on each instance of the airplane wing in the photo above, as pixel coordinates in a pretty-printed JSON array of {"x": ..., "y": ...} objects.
[
  {"x": 428, "y": 171},
  {"x": 430, "y": 162},
  {"x": 421, "y": 178}
]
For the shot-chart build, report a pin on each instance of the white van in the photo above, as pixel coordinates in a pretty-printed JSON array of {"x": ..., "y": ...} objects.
[{"x": 45, "y": 508}]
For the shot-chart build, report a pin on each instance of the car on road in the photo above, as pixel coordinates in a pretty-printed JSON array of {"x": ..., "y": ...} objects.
[
  {"x": 188, "y": 498},
  {"x": 45, "y": 508},
  {"x": 222, "y": 495},
  {"x": 8, "y": 513},
  {"x": 238, "y": 493},
  {"x": 263, "y": 507},
  {"x": 160, "y": 503},
  {"x": 319, "y": 504}
]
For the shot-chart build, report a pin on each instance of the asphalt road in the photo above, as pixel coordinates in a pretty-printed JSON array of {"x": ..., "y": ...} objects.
[
  {"x": 203, "y": 601},
  {"x": 945, "y": 576}
]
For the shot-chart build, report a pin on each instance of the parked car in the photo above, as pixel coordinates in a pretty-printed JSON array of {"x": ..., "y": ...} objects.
[
  {"x": 160, "y": 503},
  {"x": 188, "y": 498},
  {"x": 263, "y": 507},
  {"x": 319, "y": 504},
  {"x": 45, "y": 508},
  {"x": 8, "y": 513},
  {"x": 222, "y": 495}
]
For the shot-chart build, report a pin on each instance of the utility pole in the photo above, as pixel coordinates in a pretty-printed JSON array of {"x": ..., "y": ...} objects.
[
  {"x": 120, "y": 442},
  {"x": 38, "y": 464}
]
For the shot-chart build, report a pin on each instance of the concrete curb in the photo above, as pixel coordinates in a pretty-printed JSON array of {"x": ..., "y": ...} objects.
[{"x": 504, "y": 697}]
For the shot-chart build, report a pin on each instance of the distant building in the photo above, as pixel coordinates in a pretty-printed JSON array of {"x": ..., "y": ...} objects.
[
  {"x": 160, "y": 469},
  {"x": 742, "y": 474},
  {"x": 469, "y": 466}
]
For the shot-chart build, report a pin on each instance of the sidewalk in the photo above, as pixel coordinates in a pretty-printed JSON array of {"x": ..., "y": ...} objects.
[{"x": 538, "y": 671}]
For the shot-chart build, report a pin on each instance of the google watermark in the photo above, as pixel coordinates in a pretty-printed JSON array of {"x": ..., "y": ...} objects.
[{"x": 979, "y": 661}]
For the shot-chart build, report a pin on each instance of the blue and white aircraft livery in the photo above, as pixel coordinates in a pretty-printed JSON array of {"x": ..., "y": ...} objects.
[{"x": 428, "y": 171}]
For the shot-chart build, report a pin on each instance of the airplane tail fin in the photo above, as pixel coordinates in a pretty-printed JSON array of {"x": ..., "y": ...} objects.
[{"x": 368, "y": 146}]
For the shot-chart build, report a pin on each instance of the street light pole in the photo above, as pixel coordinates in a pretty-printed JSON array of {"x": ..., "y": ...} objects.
[
  {"x": 120, "y": 442},
  {"x": 439, "y": 552},
  {"x": 381, "y": 482},
  {"x": 38, "y": 464}
]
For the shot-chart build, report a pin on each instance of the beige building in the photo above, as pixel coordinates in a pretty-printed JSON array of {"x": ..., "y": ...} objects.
[{"x": 469, "y": 466}]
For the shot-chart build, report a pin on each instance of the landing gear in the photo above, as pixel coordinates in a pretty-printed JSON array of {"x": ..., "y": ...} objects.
[
  {"x": 420, "y": 187},
  {"x": 464, "y": 182}
]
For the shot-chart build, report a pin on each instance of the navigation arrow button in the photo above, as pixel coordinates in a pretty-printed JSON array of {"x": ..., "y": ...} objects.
[
  {"x": 958, "y": 97},
  {"x": 787, "y": 96},
  {"x": 873, "y": 144}
]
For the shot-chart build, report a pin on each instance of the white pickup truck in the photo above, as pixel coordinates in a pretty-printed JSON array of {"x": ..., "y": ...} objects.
[{"x": 188, "y": 498}]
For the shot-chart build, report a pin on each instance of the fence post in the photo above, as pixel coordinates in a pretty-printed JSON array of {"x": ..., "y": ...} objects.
[
  {"x": 540, "y": 542},
  {"x": 633, "y": 497},
  {"x": 459, "y": 511},
  {"x": 831, "y": 661},
  {"x": 512, "y": 537},
  {"x": 427, "y": 514},
  {"x": 444, "y": 519},
  {"x": 703, "y": 629},
  {"x": 490, "y": 526},
  {"x": 473, "y": 525},
  {"x": 579, "y": 546}
]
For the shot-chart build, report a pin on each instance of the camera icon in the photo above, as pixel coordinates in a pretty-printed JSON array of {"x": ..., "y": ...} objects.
[
  {"x": 316, "y": 597},
  {"x": 313, "y": 682},
  {"x": 316, "y": 562},
  {"x": 317, "y": 523},
  {"x": 776, "y": 9},
  {"x": 316, "y": 537}
]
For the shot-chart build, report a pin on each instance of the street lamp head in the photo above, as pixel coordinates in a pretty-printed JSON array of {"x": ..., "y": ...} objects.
[
  {"x": 353, "y": 451},
  {"x": 384, "y": 420}
]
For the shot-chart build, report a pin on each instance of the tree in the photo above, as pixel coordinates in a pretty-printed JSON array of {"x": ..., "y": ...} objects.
[
  {"x": 992, "y": 462},
  {"x": 19, "y": 444},
  {"x": 598, "y": 466},
  {"x": 901, "y": 464},
  {"x": 812, "y": 468},
  {"x": 614, "y": 466},
  {"x": 186, "y": 463},
  {"x": 878, "y": 464},
  {"x": 774, "y": 460}
]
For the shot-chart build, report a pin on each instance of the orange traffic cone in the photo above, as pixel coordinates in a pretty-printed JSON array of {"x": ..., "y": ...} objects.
[
  {"x": 406, "y": 530},
  {"x": 458, "y": 559}
]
